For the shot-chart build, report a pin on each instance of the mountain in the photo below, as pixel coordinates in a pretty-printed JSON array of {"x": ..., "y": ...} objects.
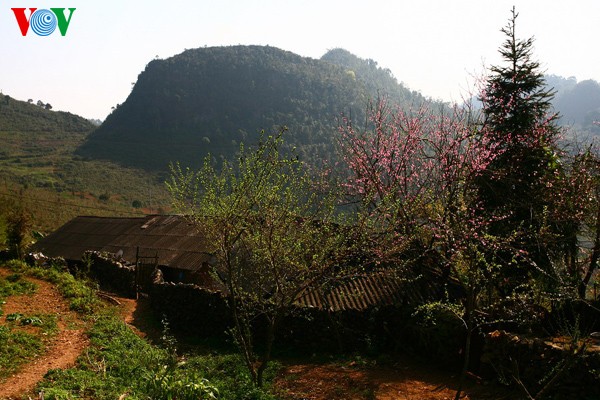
[
  {"x": 21, "y": 116},
  {"x": 578, "y": 103},
  {"x": 208, "y": 100}
]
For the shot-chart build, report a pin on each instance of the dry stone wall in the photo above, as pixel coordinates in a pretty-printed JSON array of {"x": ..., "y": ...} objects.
[
  {"x": 111, "y": 274},
  {"x": 190, "y": 308}
]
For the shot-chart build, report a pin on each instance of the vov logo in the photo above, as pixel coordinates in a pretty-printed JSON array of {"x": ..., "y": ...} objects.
[{"x": 43, "y": 22}]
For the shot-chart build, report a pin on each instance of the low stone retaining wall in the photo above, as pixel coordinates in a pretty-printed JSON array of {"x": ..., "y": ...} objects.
[
  {"x": 194, "y": 310},
  {"x": 189, "y": 308},
  {"x": 112, "y": 275}
]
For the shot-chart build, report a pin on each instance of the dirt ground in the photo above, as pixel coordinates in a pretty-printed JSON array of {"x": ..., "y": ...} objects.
[
  {"x": 405, "y": 380},
  {"x": 62, "y": 350},
  {"x": 301, "y": 380}
]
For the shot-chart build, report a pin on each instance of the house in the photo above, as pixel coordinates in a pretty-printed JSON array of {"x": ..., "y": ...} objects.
[
  {"x": 170, "y": 242},
  {"x": 176, "y": 246}
]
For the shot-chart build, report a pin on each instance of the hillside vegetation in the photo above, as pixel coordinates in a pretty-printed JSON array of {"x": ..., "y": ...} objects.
[
  {"x": 40, "y": 173},
  {"x": 201, "y": 101},
  {"x": 578, "y": 104},
  {"x": 209, "y": 100}
]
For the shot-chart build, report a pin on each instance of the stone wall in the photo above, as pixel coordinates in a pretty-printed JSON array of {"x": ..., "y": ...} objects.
[
  {"x": 110, "y": 274},
  {"x": 189, "y": 308},
  {"x": 198, "y": 311}
]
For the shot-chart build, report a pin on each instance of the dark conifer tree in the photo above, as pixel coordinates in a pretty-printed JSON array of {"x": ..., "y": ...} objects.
[{"x": 518, "y": 113}]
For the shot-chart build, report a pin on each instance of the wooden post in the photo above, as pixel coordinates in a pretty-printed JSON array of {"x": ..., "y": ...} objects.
[{"x": 137, "y": 272}]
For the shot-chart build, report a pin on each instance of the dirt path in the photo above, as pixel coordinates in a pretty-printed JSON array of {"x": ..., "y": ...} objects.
[
  {"x": 62, "y": 350},
  {"x": 302, "y": 380}
]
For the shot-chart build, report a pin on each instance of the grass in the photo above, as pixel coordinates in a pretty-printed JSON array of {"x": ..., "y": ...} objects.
[
  {"x": 118, "y": 362},
  {"x": 116, "y": 354},
  {"x": 80, "y": 293},
  {"x": 18, "y": 346},
  {"x": 47, "y": 323},
  {"x": 15, "y": 285}
]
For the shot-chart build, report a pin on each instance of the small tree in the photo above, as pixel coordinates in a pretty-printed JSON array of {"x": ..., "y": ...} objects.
[
  {"x": 18, "y": 227},
  {"x": 413, "y": 175},
  {"x": 136, "y": 204},
  {"x": 273, "y": 233},
  {"x": 578, "y": 213}
]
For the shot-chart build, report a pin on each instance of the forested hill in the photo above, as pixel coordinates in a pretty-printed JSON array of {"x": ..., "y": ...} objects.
[
  {"x": 376, "y": 80},
  {"x": 578, "y": 104},
  {"x": 211, "y": 99},
  {"x": 20, "y": 116},
  {"x": 33, "y": 135}
]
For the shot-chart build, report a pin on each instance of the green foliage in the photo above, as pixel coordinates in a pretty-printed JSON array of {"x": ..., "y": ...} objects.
[
  {"x": 17, "y": 266},
  {"x": 44, "y": 178},
  {"x": 18, "y": 227},
  {"x": 517, "y": 187},
  {"x": 229, "y": 375},
  {"x": 120, "y": 362},
  {"x": 273, "y": 234},
  {"x": 46, "y": 322},
  {"x": 16, "y": 347},
  {"x": 14, "y": 285},
  {"x": 378, "y": 82},
  {"x": 81, "y": 294}
]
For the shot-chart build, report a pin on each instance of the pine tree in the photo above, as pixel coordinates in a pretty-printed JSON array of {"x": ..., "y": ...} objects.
[{"x": 518, "y": 117}]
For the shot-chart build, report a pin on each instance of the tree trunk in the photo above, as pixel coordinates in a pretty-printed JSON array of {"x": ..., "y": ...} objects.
[
  {"x": 593, "y": 260},
  {"x": 242, "y": 338},
  {"x": 467, "y": 354},
  {"x": 463, "y": 373},
  {"x": 267, "y": 354}
]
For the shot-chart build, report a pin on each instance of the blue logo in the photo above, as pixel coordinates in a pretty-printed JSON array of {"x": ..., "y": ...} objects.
[{"x": 43, "y": 22}]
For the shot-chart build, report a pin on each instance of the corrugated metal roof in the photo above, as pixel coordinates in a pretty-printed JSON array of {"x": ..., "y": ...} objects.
[
  {"x": 356, "y": 293},
  {"x": 83, "y": 233},
  {"x": 374, "y": 289},
  {"x": 175, "y": 240}
]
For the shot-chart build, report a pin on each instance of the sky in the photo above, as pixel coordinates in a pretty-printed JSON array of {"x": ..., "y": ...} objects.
[{"x": 436, "y": 47}]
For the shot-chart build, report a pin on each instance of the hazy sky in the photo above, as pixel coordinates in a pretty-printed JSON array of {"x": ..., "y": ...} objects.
[{"x": 433, "y": 46}]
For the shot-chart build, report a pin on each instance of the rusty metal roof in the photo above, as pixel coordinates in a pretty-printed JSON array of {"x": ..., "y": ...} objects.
[
  {"x": 178, "y": 244},
  {"x": 83, "y": 233},
  {"x": 384, "y": 287},
  {"x": 172, "y": 238},
  {"x": 356, "y": 293}
]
